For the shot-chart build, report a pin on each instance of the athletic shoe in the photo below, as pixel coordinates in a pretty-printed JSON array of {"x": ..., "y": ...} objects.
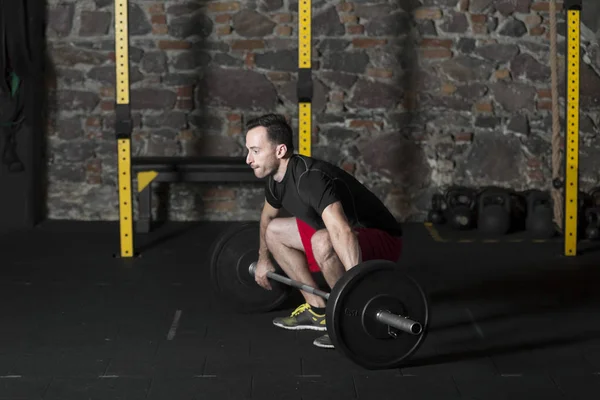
[
  {"x": 302, "y": 317},
  {"x": 323, "y": 342}
]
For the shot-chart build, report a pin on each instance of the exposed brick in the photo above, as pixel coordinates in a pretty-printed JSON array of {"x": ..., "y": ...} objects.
[
  {"x": 535, "y": 175},
  {"x": 234, "y": 129},
  {"x": 154, "y": 9},
  {"x": 250, "y": 44},
  {"x": 355, "y": 29},
  {"x": 364, "y": 43},
  {"x": 112, "y": 56},
  {"x": 186, "y": 134},
  {"x": 184, "y": 104},
  {"x": 545, "y": 6},
  {"x": 463, "y": 137},
  {"x": 107, "y": 105},
  {"x": 222, "y": 18},
  {"x": 249, "y": 60},
  {"x": 279, "y": 76},
  {"x": 446, "y": 43},
  {"x": 160, "y": 29},
  {"x": 478, "y": 18},
  {"x": 345, "y": 7},
  {"x": 93, "y": 133},
  {"x": 217, "y": 193},
  {"x": 234, "y": 117},
  {"x": 93, "y": 122},
  {"x": 349, "y": 167},
  {"x": 284, "y": 31},
  {"x": 380, "y": 72},
  {"x": 93, "y": 179},
  {"x": 185, "y": 91},
  {"x": 544, "y": 105},
  {"x": 217, "y": 7},
  {"x": 534, "y": 163},
  {"x": 283, "y": 18},
  {"x": 220, "y": 206},
  {"x": 436, "y": 53},
  {"x": 94, "y": 165},
  {"x": 448, "y": 88},
  {"x": 174, "y": 45},
  {"x": 365, "y": 123},
  {"x": 484, "y": 107},
  {"x": 348, "y": 19},
  {"x": 223, "y": 30},
  {"x": 537, "y": 31},
  {"x": 428, "y": 13},
  {"x": 544, "y": 93},
  {"x": 159, "y": 19},
  {"x": 502, "y": 74}
]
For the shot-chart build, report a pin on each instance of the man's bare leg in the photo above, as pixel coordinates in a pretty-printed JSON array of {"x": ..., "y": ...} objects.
[{"x": 283, "y": 241}]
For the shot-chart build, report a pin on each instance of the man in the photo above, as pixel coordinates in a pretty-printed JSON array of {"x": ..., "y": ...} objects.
[{"x": 337, "y": 222}]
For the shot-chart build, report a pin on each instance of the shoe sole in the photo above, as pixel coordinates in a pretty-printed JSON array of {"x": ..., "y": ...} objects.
[
  {"x": 302, "y": 327},
  {"x": 324, "y": 346}
]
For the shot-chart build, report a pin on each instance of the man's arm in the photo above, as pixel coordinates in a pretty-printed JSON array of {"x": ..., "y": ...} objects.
[
  {"x": 268, "y": 214},
  {"x": 344, "y": 241}
]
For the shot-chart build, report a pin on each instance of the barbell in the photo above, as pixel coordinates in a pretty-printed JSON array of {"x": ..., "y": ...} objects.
[{"x": 377, "y": 315}]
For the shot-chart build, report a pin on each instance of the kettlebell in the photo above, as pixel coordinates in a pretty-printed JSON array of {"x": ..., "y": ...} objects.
[
  {"x": 436, "y": 213},
  {"x": 592, "y": 223},
  {"x": 540, "y": 216},
  {"x": 494, "y": 213},
  {"x": 461, "y": 207},
  {"x": 592, "y": 214}
]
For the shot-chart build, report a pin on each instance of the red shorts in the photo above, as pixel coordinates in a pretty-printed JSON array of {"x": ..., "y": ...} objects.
[{"x": 374, "y": 244}]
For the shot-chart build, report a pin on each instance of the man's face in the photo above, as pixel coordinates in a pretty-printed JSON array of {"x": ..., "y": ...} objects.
[{"x": 263, "y": 156}]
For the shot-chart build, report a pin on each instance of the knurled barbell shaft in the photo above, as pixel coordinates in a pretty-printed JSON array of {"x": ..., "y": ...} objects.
[
  {"x": 291, "y": 282},
  {"x": 397, "y": 321}
]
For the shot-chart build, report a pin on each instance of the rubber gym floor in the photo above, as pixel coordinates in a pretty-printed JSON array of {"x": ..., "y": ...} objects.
[{"x": 510, "y": 319}]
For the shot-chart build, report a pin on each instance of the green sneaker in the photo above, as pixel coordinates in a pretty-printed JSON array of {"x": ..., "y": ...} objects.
[
  {"x": 302, "y": 317},
  {"x": 324, "y": 342}
]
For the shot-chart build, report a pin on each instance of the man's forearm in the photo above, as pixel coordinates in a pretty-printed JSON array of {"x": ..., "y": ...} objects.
[
  {"x": 263, "y": 250},
  {"x": 346, "y": 246}
]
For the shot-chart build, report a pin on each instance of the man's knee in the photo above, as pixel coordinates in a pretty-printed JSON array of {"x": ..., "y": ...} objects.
[
  {"x": 321, "y": 246},
  {"x": 273, "y": 233}
]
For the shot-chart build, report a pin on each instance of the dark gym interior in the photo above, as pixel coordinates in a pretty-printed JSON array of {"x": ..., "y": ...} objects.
[{"x": 129, "y": 214}]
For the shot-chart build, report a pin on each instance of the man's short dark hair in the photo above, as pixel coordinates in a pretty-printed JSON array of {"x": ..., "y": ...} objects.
[{"x": 278, "y": 130}]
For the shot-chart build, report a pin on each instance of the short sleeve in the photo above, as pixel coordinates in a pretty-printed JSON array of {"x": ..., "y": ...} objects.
[
  {"x": 318, "y": 190},
  {"x": 270, "y": 195}
]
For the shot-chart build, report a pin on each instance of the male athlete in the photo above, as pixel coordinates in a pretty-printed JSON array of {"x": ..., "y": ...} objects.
[{"x": 337, "y": 222}]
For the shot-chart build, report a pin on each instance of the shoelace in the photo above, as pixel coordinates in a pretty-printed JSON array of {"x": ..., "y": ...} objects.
[{"x": 300, "y": 309}]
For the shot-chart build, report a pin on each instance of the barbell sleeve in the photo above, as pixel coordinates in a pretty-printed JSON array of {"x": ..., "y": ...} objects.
[
  {"x": 285, "y": 280},
  {"x": 397, "y": 321}
]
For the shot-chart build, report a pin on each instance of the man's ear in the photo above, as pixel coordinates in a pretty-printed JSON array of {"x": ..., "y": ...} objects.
[{"x": 281, "y": 150}]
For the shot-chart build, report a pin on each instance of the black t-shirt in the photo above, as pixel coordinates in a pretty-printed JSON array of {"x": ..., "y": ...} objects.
[{"x": 310, "y": 185}]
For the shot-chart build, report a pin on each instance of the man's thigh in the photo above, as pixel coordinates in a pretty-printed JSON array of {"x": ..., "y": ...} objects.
[{"x": 286, "y": 232}]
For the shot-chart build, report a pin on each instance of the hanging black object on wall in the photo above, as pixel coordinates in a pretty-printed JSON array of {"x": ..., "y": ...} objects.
[{"x": 22, "y": 94}]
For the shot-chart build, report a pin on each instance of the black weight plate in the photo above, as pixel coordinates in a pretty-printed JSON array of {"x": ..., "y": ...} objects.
[
  {"x": 230, "y": 259},
  {"x": 369, "y": 283}
]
